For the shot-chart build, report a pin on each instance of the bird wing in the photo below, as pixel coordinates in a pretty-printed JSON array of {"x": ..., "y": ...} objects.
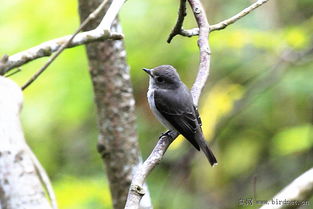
[
  {"x": 198, "y": 115},
  {"x": 178, "y": 109}
]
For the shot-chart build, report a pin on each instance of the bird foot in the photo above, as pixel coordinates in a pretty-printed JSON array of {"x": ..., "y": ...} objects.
[{"x": 168, "y": 133}]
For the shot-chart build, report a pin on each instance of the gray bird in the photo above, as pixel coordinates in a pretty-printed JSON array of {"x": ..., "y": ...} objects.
[{"x": 171, "y": 102}]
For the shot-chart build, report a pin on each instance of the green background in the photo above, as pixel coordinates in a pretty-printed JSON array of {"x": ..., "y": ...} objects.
[{"x": 263, "y": 148}]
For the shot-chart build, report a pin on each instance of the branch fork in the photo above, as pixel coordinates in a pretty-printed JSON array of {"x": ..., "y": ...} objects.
[{"x": 178, "y": 30}]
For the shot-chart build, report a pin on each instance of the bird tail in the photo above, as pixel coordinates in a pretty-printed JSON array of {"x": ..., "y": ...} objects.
[{"x": 205, "y": 148}]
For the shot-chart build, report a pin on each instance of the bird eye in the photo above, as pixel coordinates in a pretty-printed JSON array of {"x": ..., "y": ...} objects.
[{"x": 160, "y": 79}]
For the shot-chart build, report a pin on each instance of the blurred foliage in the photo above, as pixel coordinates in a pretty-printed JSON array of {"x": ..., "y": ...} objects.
[
  {"x": 270, "y": 141},
  {"x": 78, "y": 193},
  {"x": 294, "y": 139}
]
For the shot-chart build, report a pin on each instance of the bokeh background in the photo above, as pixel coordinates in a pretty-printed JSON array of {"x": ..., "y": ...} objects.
[{"x": 262, "y": 142}]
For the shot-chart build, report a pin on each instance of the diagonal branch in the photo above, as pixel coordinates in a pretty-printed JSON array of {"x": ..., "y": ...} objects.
[
  {"x": 233, "y": 19},
  {"x": 47, "y": 48},
  {"x": 136, "y": 190},
  {"x": 296, "y": 194},
  {"x": 110, "y": 15}
]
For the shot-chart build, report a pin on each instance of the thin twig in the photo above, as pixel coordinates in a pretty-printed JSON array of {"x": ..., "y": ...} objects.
[
  {"x": 13, "y": 73},
  {"x": 180, "y": 20},
  {"x": 92, "y": 16},
  {"x": 229, "y": 21}
]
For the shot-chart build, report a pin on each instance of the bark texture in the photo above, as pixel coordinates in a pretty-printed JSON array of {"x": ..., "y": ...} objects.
[
  {"x": 20, "y": 187},
  {"x": 117, "y": 143}
]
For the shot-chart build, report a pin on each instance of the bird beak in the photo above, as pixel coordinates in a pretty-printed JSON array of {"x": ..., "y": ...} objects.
[{"x": 148, "y": 71}]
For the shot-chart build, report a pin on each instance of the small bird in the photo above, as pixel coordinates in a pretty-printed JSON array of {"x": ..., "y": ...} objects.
[{"x": 171, "y": 102}]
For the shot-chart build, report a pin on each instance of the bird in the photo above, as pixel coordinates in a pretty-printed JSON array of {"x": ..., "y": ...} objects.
[{"x": 172, "y": 104}]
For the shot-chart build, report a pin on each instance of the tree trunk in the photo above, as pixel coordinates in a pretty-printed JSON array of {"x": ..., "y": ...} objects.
[
  {"x": 115, "y": 103},
  {"x": 20, "y": 187}
]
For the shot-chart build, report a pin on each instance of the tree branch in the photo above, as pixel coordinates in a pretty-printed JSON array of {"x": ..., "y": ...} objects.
[
  {"x": 43, "y": 176},
  {"x": 296, "y": 194},
  {"x": 204, "y": 47},
  {"x": 180, "y": 20},
  {"x": 47, "y": 48},
  {"x": 19, "y": 184},
  {"x": 219, "y": 26},
  {"x": 136, "y": 189},
  {"x": 110, "y": 15}
]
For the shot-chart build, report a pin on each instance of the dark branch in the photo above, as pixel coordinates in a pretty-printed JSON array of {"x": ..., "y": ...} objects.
[{"x": 178, "y": 28}]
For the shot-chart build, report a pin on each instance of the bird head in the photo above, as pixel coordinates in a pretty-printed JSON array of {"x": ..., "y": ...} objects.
[{"x": 163, "y": 77}]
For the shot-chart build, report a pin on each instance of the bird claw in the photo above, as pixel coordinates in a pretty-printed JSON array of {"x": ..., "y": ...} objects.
[{"x": 168, "y": 133}]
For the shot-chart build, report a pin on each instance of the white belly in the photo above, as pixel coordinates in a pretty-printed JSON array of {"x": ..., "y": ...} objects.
[{"x": 156, "y": 113}]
